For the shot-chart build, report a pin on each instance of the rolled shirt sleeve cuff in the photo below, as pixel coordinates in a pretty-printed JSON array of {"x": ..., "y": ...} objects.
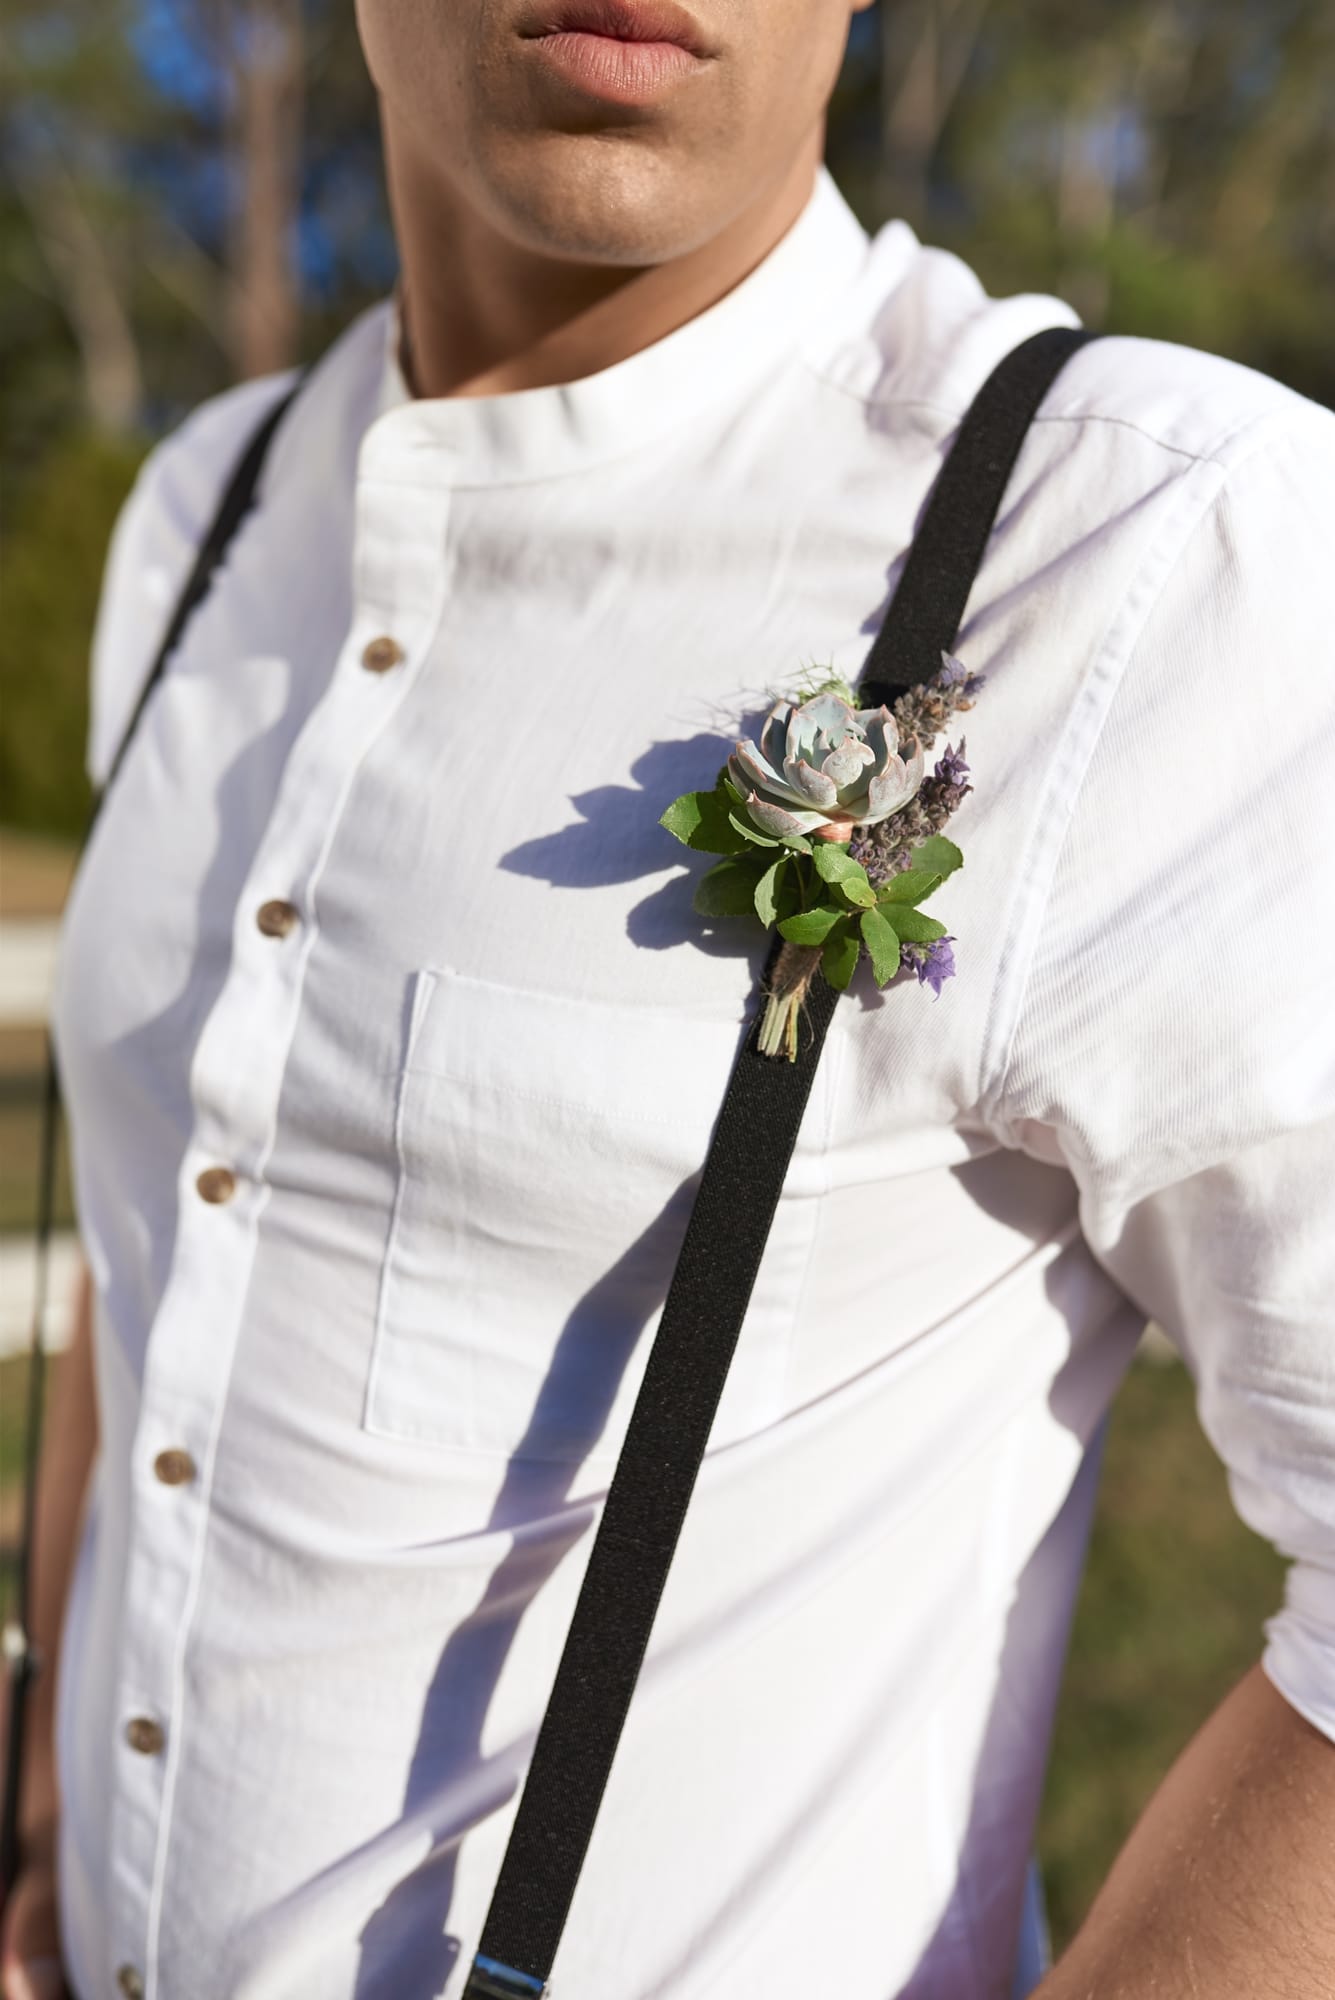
[{"x": 1299, "y": 1657}]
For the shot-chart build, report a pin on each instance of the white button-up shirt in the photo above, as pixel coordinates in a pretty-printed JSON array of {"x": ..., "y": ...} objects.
[{"x": 462, "y": 1088}]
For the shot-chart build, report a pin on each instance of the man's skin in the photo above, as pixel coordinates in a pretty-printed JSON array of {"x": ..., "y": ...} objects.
[{"x": 544, "y": 234}]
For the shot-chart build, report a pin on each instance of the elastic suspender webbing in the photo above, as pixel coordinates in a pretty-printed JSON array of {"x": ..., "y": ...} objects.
[
  {"x": 20, "y": 1656},
  {"x": 739, "y": 1191}
]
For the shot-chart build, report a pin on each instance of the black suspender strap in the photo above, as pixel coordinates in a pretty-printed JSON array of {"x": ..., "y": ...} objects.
[
  {"x": 928, "y": 607},
  {"x": 20, "y": 1656},
  {"x": 711, "y": 1286},
  {"x": 238, "y": 499}
]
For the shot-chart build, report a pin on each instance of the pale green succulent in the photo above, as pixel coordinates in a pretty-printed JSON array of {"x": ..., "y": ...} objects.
[{"x": 823, "y": 768}]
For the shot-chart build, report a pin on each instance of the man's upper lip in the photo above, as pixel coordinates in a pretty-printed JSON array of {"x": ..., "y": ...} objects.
[{"x": 624, "y": 20}]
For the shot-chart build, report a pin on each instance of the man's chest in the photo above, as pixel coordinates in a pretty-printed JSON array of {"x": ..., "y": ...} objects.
[
  {"x": 441, "y": 724},
  {"x": 380, "y": 916}
]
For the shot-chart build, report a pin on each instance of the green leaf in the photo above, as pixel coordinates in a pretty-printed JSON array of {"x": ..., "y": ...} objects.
[
  {"x": 684, "y": 815},
  {"x": 811, "y": 926},
  {"x": 839, "y": 959},
  {"x": 768, "y": 888},
  {"x": 702, "y": 820},
  {"x": 833, "y": 861},
  {"x": 834, "y": 864},
  {"x": 938, "y": 853},
  {"x": 882, "y": 943},
  {"x": 910, "y": 925},
  {"x": 914, "y": 885},
  {"x": 728, "y": 889}
]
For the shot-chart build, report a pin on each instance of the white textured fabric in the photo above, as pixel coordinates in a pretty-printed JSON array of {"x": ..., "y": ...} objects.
[{"x": 467, "y": 1096}]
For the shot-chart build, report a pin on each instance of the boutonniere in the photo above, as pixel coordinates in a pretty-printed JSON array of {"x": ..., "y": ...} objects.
[{"x": 830, "y": 831}]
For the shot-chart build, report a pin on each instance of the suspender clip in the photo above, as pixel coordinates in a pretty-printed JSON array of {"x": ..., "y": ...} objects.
[{"x": 490, "y": 1980}]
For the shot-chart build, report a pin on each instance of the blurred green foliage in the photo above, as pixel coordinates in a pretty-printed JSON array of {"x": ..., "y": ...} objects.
[
  {"x": 1167, "y": 165},
  {"x": 1170, "y": 1614},
  {"x": 52, "y": 573}
]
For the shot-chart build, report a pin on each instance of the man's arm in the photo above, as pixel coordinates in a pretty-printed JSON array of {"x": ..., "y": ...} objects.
[
  {"x": 30, "y": 1932},
  {"x": 1225, "y": 1889},
  {"x": 1173, "y": 1045}
]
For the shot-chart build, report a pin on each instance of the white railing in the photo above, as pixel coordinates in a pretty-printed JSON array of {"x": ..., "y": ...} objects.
[{"x": 27, "y": 962}]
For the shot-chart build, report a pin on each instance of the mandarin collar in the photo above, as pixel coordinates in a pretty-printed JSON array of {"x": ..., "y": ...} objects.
[{"x": 710, "y": 361}]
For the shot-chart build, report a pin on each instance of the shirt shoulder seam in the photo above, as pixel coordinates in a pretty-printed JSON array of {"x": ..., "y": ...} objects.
[{"x": 1221, "y": 453}]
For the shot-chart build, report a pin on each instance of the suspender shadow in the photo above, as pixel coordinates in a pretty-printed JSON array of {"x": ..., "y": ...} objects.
[{"x": 614, "y": 1312}]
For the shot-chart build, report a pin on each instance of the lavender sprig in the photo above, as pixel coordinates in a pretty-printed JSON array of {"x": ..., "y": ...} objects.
[
  {"x": 925, "y": 710},
  {"x": 934, "y": 963},
  {"x": 885, "y": 849}
]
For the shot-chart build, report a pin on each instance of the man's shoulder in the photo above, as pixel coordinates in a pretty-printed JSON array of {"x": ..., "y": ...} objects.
[
  {"x": 180, "y": 487},
  {"x": 187, "y": 469},
  {"x": 922, "y": 334},
  {"x": 153, "y": 545},
  {"x": 184, "y": 475},
  {"x": 1187, "y": 402}
]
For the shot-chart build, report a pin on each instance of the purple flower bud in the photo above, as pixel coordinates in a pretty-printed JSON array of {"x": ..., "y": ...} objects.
[
  {"x": 952, "y": 672},
  {"x": 933, "y": 963},
  {"x": 951, "y": 768}
]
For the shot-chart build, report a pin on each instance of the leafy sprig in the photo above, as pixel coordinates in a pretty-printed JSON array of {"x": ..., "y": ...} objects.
[{"x": 812, "y": 891}]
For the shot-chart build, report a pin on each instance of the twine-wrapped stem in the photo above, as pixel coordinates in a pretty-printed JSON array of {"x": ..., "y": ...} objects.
[{"x": 794, "y": 970}]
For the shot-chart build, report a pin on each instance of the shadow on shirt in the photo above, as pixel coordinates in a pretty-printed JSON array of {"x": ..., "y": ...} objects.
[
  {"x": 406, "y": 1950},
  {"x": 617, "y": 839}
]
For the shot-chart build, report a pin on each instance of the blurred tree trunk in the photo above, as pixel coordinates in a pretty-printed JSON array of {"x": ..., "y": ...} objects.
[
  {"x": 925, "y": 51},
  {"x": 264, "y": 43},
  {"x": 1282, "y": 128},
  {"x": 1087, "y": 183},
  {"x": 88, "y": 287}
]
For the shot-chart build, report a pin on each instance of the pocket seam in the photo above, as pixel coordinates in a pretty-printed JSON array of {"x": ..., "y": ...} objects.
[
  {"x": 391, "y": 1234},
  {"x": 510, "y": 1093},
  {"x": 414, "y": 1080}
]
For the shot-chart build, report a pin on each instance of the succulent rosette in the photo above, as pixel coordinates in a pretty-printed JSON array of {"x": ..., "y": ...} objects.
[{"x": 823, "y": 768}]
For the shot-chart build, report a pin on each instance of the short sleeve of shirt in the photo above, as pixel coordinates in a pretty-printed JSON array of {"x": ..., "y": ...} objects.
[
  {"x": 1175, "y": 1046},
  {"x": 153, "y": 544}
]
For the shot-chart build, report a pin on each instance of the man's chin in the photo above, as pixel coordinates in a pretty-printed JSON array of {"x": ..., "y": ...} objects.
[{"x": 594, "y": 200}]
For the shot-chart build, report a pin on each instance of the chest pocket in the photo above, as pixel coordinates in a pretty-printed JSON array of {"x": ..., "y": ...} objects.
[{"x": 548, "y": 1152}]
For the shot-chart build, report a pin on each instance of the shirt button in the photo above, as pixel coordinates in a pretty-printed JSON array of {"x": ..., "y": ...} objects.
[
  {"x": 217, "y": 1184},
  {"x": 174, "y": 1467},
  {"x": 144, "y": 1735},
  {"x": 381, "y": 655},
  {"x": 131, "y": 1982},
  {"x": 277, "y": 919}
]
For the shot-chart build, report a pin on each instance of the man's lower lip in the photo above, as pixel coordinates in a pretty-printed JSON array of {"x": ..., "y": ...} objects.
[{"x": 624, "y": 72}]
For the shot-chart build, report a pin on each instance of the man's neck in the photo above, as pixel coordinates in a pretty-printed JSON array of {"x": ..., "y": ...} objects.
[{"x": 483, "y": 315}]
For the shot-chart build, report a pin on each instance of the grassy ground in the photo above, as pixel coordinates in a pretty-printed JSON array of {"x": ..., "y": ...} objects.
[
  {"x": 1173, "y": 1598},
  {"x": 21, "y": 1057},
  {"x": 13, "y": 1391},
  {"x": 1169, "y": 1617}
]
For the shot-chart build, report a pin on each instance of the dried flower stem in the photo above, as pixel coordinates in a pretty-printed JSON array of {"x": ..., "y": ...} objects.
[{"x": 796, "y": 967}]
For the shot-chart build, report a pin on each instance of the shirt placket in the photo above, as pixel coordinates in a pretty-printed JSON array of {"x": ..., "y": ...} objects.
[{"x": 401, "y": 564}]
